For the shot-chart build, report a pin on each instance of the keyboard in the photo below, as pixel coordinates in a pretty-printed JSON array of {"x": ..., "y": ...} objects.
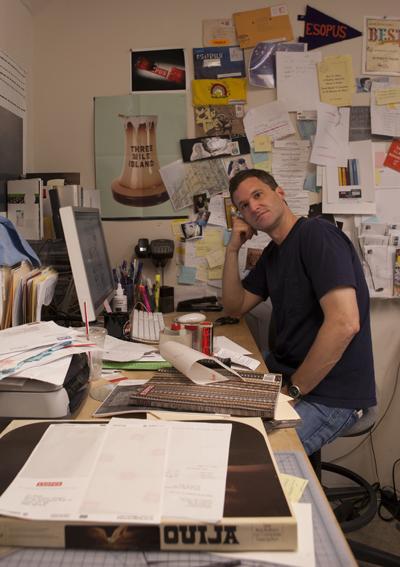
[{"x": 146, "y": 326}]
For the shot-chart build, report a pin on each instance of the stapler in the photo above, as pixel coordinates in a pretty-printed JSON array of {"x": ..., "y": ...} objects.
[{"x": 200, "y": 304}]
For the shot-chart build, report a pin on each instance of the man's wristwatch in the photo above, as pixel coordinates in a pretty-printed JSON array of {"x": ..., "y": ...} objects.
[{"x": 293, "y": 390}]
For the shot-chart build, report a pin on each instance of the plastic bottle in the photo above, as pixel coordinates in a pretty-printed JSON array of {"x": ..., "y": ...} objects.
[{"x": 120, "y": 301}]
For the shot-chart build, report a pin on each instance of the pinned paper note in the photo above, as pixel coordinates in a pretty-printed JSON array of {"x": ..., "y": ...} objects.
[
  {"x": 262, "y": 143},
  {"x": 216, "y": 258},
  {"x": 187, "y": 275},
  {"x": 336, "y": 80},
  {"x": 215, "y": 273},
  {"x": 388, "y": 96}
]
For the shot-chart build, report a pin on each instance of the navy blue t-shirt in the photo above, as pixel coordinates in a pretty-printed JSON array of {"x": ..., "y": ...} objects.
[{"x": 315, "y": 258}]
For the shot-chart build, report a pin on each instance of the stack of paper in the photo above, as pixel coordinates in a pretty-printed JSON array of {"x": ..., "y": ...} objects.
[{"x": 40, "y": 351}]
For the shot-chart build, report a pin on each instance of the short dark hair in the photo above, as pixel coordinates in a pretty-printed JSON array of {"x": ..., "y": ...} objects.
[{"x": 259, "y": 173}]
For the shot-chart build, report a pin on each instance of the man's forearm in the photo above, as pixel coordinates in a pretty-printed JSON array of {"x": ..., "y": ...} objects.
[
  {"x": 232, "y": 289},
  {"x": 326, "y": 350}
]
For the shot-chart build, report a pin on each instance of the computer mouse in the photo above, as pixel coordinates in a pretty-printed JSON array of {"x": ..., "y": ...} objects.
[
  {"x": 226, "y": 321},
  {"x": 191, "y": 318}
]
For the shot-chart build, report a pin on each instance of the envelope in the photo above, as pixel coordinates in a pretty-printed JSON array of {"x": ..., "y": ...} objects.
[{"x": 265, "y": 24}]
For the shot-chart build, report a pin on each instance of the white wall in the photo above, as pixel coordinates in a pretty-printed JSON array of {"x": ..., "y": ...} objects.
[
  {"x": 16, "y": 39},
  {"x": 82, "y": 51}
]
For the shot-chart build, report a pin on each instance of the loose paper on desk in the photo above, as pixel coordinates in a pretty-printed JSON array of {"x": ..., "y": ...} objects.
[
  {"x": 239, "y": 359},
  {"x": 18, "y": 363},
  {"x": 222, "y": 342},
  {"x": 32, "y": 335},
  {"x": 331, "y": 144},
  {"x": 91, "y": 471},
  {"x": 285, "y": 412},
  {"x": 303, "y": 557},
  {"x": 293, "y": 486},
  {"x": 297, "y": 79},
  {"x": 186, "y": 360},
  {"x": 52, "y": 373},
  {"x": 117, "y": 350}
]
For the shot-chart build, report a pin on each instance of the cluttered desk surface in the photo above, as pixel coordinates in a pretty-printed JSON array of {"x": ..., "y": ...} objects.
[{"x": 284, "y": 441}]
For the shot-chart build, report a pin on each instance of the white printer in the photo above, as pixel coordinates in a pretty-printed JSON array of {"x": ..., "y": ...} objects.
[{"x": 26, "y": 398}]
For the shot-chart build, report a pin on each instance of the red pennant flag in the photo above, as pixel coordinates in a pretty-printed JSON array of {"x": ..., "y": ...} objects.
[{"x": 320, "y": 29}]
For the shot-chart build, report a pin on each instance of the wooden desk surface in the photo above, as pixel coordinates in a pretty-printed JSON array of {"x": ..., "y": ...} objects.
[{"x": 281, "y": 440}]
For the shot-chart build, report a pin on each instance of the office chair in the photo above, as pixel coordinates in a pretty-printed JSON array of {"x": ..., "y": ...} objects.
[{"x": 356, "y": 505}]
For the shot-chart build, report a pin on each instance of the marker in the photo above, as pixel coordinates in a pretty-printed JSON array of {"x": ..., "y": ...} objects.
[{"x": 157, "y": 281}]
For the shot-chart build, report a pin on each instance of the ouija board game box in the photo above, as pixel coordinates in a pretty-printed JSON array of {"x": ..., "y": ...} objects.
[{"x": 256, "y": 517}]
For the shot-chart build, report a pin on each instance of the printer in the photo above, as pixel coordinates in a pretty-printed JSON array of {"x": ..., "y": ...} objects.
[{"x": 26, "y": 398}]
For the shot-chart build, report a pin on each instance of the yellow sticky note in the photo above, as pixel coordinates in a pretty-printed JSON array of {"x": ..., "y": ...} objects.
[
  {"x": 212, "y": 240},
  {"x": 202, "y": 273},
  {"x": 388, "y": 96},
  {"x": 262, "y": 143},
  {"x": 265, "y": 165},
  {"x": 215, "y": 273},
  {"x": 336, "y": 80},
  {"x": 216, "y": 258},
  {"x": 293, "y": 486}
]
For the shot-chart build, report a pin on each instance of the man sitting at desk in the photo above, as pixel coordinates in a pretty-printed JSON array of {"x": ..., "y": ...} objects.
[{"x": 320, "y": 300}]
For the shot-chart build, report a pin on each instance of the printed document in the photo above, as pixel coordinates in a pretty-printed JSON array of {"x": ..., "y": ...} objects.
[
  {"x": 331, "y": 144},
  {"x": 271, "y": 119},
  {"x": 124, "y": 471},
  {"x": 297, "y": 79}
]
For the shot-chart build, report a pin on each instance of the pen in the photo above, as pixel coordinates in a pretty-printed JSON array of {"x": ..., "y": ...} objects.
[
  {"x": 156, "y": 291},
  {"x": 143, "y": 293}
]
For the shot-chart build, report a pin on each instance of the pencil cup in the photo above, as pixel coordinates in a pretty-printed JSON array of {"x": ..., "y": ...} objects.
[{"x": 166, "y": 299}]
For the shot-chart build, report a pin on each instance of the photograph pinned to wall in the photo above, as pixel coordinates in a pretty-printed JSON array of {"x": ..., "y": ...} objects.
[
  {"x": 235, "y": 164},
  {"x": 230, "y": 211},
  {"x": 191, "y": 230},
  {"x": 219, "y": 120},
  {"x": 158, "y": 70},
  {"x": 200, "y": 205},
  {"x": 381, "y": 49},
  {"x": 194, "y": 149},
  {"x": 135, "y": 135},
  {"x": 364, "y": 84}
]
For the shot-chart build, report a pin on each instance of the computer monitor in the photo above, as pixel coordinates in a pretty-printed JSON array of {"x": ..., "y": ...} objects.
[{"x": 89, "y": 259}]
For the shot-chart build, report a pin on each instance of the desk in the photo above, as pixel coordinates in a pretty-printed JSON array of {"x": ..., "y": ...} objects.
[{"x": 283, "y": 440}]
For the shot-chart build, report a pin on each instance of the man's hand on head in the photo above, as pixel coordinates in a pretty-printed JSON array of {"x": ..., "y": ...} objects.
[{"x": 241, "y": 232}]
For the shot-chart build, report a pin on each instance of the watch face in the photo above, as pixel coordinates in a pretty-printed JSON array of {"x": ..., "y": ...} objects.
[{"x": 294, "y": 391}]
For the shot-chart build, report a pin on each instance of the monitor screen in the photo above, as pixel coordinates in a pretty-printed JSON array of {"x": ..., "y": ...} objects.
[{"x": 89, "y": 259}]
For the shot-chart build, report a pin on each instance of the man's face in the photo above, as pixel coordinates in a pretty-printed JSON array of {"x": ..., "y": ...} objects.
[{"x": 261, "y": 207}]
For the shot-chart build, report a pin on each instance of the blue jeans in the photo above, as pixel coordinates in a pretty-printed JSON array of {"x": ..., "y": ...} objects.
[{"x": 321, "y": 424}]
